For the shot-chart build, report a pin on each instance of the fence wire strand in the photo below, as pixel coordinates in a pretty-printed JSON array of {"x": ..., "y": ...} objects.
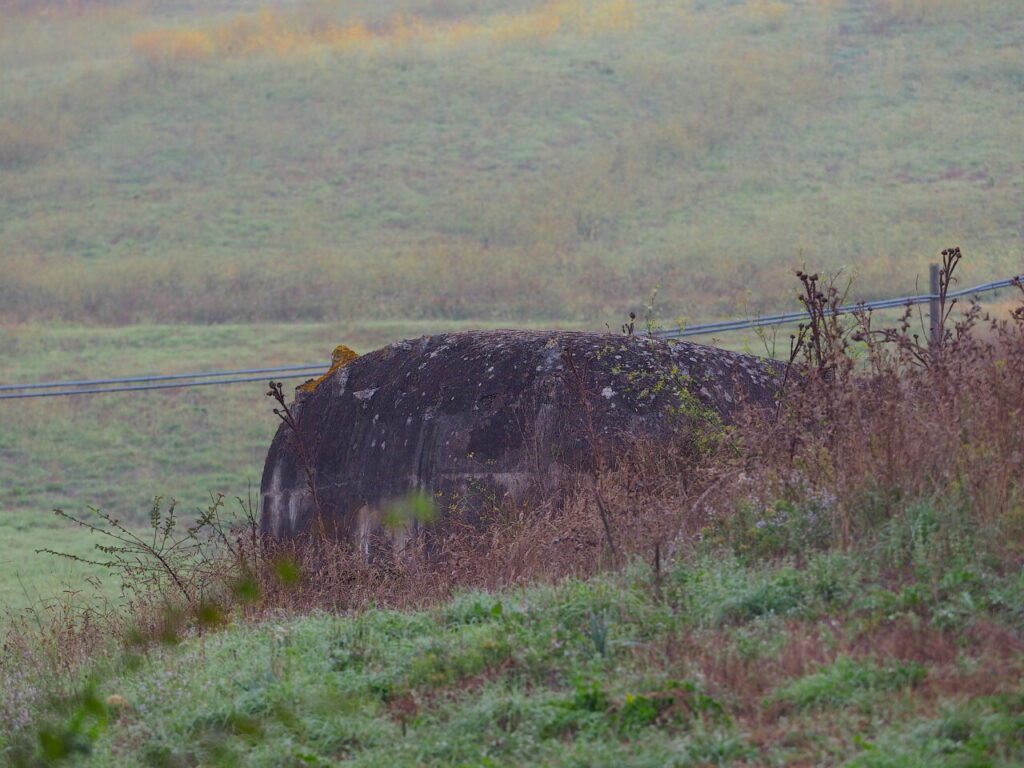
[
  {"x": 167, "y": 377},
  {"x": 168, "y": 385},
  {"x": 790, "y": 317},
  {"x": 178, "y": 380}
]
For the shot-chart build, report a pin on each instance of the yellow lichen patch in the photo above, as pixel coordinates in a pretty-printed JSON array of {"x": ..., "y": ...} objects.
[{"x": 341, "y": 356}]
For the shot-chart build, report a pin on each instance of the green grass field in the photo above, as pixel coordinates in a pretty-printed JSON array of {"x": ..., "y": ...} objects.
[
  {"x": 832, "y": 662},
  {"x": 31, "y": 577},
  {"x": 537, "y": 159}
]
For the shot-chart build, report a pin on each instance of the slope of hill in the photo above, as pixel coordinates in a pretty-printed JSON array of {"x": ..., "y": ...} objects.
[
  {"x": 214, "y": 162},
  {"x": 719, "y": 660},
  {"x": 837, "y": 581}
]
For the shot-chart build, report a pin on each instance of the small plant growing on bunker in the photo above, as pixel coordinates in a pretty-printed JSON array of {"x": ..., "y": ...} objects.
[
  {"x": 650, "y": 314},
  {"x": 702, "y": 429},
  {"x": 651, "y": 324}
]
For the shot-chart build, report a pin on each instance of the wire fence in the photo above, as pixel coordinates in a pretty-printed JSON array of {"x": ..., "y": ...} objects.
[
  {"x": 168, "y": 377},
  {"x": 792, "y": 317},
  {"x": 170, "y": 381},
  {"x": 212, "y": 378}
]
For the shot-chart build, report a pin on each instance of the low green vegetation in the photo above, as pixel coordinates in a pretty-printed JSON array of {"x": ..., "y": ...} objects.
[
  {"x": 605, "y": 671},
  {"x": 846, "y": 682},
  {"x": 30, "y": 577}
]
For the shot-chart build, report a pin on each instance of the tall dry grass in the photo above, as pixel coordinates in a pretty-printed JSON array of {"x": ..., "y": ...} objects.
[
  {"x": 280, "y": 33},
  {"x": 871, "y": 422}
]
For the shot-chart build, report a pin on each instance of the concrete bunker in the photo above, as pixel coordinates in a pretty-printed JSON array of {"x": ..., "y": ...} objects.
[{"x": 505, "y": 413}]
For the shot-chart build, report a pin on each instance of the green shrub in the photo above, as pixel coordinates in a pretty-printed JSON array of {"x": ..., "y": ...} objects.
[
  {"x": 985, "y": 733},
  {"x": 845, "y": 680}
]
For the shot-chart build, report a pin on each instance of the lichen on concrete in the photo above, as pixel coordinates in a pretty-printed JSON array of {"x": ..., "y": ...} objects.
[{"x": 341, "y": 356}]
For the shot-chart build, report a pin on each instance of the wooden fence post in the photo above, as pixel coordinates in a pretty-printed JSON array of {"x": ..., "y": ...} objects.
[{"x": 934, "y": 307}]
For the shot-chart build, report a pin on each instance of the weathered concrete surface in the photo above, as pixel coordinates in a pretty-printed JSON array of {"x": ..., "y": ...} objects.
[{"x": 482, "y": 412}]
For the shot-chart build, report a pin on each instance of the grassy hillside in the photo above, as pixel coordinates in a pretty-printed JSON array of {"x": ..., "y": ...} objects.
[
  {"x": 344, "y": 160},
  {"x": 718, "y": 661},
  {"x": 835, "y": 582},
  {"x": 214, "y": 184}
]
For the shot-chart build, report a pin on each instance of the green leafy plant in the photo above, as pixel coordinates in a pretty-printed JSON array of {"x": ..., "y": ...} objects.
[
  {"x": 192, "y": 561},
  {"x": 840, "y": 683}
]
